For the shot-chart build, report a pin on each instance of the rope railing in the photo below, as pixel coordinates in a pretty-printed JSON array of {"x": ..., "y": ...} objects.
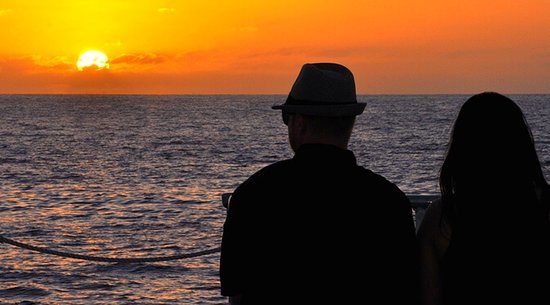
[
  {"x": 46, "y": 250},
  {"x": 418, "y": 202}
]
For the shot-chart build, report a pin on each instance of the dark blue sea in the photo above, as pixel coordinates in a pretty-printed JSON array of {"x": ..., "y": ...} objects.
[{"x": 142, "y": 176}]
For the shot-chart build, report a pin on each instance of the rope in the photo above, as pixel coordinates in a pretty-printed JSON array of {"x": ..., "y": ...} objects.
[{"x": 107, "y": 259}]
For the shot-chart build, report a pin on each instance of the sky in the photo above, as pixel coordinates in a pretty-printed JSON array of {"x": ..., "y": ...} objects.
[{"x": 258, "y": 47}]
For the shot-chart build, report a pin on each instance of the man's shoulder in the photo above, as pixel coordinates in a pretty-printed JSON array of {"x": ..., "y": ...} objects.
[
  {"x": 376, "y": 179},
  {"x": 268, "y": 174},
  {"x": 377, "y": 186},
  {"x": 281, "y": 170},
  {"x": 272, "y": 170}
]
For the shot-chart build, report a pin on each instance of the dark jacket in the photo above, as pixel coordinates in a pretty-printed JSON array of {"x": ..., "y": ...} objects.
[{"x": 319, "y": 228}]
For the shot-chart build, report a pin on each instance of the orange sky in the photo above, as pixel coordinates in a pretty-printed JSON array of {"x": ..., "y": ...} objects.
[{"x": 252, "y": 46}]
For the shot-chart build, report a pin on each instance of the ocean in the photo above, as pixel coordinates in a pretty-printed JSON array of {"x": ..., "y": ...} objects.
[{"x": 142, "y": 176}]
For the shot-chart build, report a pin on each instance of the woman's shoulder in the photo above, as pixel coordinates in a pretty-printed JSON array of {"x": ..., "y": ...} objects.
[
  {"x": 434, "y": 230},
  {"x": 431, "y": 220},
  {"x": 543, "y": 193}
]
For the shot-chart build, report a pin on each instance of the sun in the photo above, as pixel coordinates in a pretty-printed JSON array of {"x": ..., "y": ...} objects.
[{"x": 92, "y": 60}]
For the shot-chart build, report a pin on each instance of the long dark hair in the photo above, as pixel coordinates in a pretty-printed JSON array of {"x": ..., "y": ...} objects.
[{"x": 491, "y": 149}]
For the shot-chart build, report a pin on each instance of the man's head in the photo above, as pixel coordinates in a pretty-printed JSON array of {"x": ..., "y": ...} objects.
[{"x": 321, "y": 106}]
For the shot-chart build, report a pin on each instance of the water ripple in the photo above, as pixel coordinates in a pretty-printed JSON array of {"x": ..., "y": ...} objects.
[{"x": 23, "y": 292}]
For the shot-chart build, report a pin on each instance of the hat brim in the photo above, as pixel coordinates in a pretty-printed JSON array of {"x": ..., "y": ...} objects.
[{"x": 324, "y": 110}]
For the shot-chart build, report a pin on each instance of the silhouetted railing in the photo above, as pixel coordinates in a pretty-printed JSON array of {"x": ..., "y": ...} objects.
[{"x": 419, "y": 203}]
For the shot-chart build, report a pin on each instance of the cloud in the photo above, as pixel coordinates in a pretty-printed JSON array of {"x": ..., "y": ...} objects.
[
  {"x": 4, "y": 12},
  {"x": 53, "y": 62},
  {"x": 138, "y": 62},
  {"x": 144, "y": 59},
  {"x": 36, "y": 64},
  {"x": 166, "y": 10}
]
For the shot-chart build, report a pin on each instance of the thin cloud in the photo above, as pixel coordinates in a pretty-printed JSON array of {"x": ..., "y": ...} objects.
[
  {"x": 37, "y": 64},
  {"x": 138, "y": 62},
  {"x": 179, "y": 63},
  {"x": 49, "y": 62},
  {"x": 143, "y": 59}
]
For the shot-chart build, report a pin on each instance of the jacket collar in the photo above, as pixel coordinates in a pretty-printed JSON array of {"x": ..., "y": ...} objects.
[{"x": 325, "y": 154}]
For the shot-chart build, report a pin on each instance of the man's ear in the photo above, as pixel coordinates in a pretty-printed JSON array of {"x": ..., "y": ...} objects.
[{"x": 300, "y": 124}]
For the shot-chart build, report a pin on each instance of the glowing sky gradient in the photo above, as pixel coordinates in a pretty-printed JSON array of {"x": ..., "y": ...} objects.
[{"x": 256, "y": 47}]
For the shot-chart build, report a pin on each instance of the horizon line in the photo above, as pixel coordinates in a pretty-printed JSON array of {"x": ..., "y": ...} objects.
[{"x": 265, "y": 94}]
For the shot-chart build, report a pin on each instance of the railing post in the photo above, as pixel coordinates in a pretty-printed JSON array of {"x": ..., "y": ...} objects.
[{"x": 419, "y": 204}]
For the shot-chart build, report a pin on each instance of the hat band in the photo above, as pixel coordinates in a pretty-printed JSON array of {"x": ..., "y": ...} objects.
[{"x": 292, "y": 101}]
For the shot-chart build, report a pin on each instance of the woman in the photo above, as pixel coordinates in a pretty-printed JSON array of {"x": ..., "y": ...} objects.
[{"x": 487, "y": 240}]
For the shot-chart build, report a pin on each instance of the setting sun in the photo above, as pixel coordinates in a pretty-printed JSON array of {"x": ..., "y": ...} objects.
[{"x": 94, "y": 60}]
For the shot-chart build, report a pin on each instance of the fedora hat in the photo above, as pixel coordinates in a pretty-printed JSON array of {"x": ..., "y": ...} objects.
[{"x": 323, "y": 89}]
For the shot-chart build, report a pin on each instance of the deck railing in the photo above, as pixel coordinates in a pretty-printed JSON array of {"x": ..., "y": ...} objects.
[{"x": 419, "y": 204}]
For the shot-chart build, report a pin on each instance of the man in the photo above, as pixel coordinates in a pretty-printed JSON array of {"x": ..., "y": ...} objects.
[{"x": 318, "y": 227}]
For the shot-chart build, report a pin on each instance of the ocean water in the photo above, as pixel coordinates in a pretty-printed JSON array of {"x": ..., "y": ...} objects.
[{"x": 142, "y": 176}]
